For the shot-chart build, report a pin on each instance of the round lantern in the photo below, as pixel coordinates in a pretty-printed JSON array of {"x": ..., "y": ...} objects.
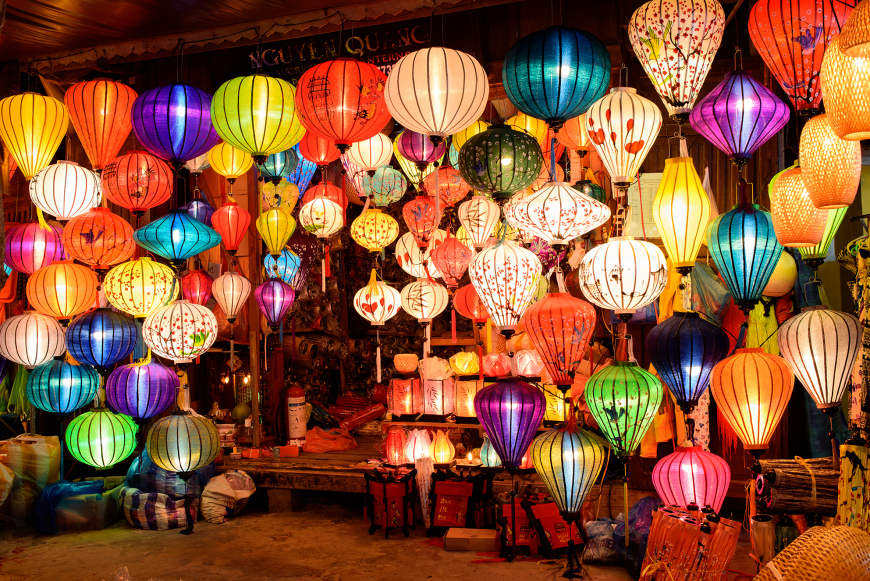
[
  {"x": 560, "y": 328},
  {"x": 329, "y": 192},
  {"x": 30, "y": 247},
  {"x": 488, "y": 455},
  {"x": 65, "y": 190},
  {"x": 844, "y": 82},
  {"x": 377, "y": 302},
  {"x": 830, "y": 166},
  {"x": 415, "y": 260},
  {"x": 417, "y": 147},
  {"x": 321, "y": 217},
  {"x": 683, "y": 349},
  {"x": 394, "y": 446},
  {"x": 821, "y": 345},
  {"x": 556, "y": 73},
  {"x": 681, "y": 210},
  {"x": 451, "y": 257},
  {"x": 569, "y": 462},
  {"x": 176, "y": 237},
  {"x": 418, "y": 445},
  {"x": 137, "y": 181},
  {"x": 183, "y": 443},
  {"x": 276, "y": 226},
  {"x": 623, "y": 274},
  {"x": 374, "y": 230},
  {"x": 231, "y": 292},
  {"x": 386, "y": 186},
  {"x": 624, "y": 399},
  {"x": 505, "y": 277},
  {"x": 371, "y": 153},
  {"x": 751, "y": 389},
  {"x": 815, "y": 255},
  {"x": 447, "y": 183},
  {"x": 278, "y": 165},
  {"x": 100, "y": 438},
  {"x": 31, "y": 339},
  {"x": 62, "y": 289},
  {"x": 181, "y": 331},
  {"x": 442, "y": 450},
  {"x": 257, "y": 114},
  {"x": 199, "y": 210},
  {"x": 421, "y": 218},
  {"x": 285, "y": 266},
  {"x": 692, "y": 478},
  {"x": 140, "y": 287},
  {"x": 557, "y": 213},
  {"x": 459, "y": 138},
  {"x": 60, "y": 387},
  {"x": 436, "y": 91},
  {"x": 510, "y": 412},
  {"x": 500, "y": 161},
  {"x": 100, "y": 112},
  {"x": 101, "y": 338},
  {"x": 196, "y": 286},
  {"x": 343, "y": 100},
  {"x": 573, "y": 135},
  {"x": 174, "y": 123},
  {"x": 274, "y": 297},
  {"x": 231, "y": 222},
  {"x": 784, "y": 276},
  {"x": 303, "y": 173},
  {"x": 792, "y": 36},
  {"x": 591, "y": 189},
  {"x": 229, "y": 162},
  {"x": 142, "y": 391},
  {"x": 99, "y": 238},
  {"x": 424, "y": 300},
  {"x": 318, "y": 150},
  {"x": 414, "y": 172},
  {"x": 468, "y": 304},
  {"x": 32, "y": 127},
  {"x": 535, "y": 127},
  {"x": 675, "y": 43},
  {"x": 479, "y": 217},
  {"x": 796, "y": 221}
]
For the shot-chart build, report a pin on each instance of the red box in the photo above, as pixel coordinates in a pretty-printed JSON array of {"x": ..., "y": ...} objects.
[
  {"x": 451, "y": 504},
  {"x": 557, "y": 531},
  {"x": 525, "y": 527}
]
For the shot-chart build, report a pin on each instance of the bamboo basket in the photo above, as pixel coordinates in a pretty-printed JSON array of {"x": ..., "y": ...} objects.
[{"x": 822, "y": 554}]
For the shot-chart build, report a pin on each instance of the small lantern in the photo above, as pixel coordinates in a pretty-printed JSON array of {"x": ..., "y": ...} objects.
[
  {"x": 386, "y": 186},
  {"x": 692, "y": 478},
  {"x": 101, "y": 338},
  {"x": 418, "y": 148},
  {"x": 99, "y": 238},
  {"x": 31, "y": 339},
  {"x": 276, "y": 226},
  {"x": 181, "y": 331},
  {"x": 321, "y": 217},
  {"x": 420, "y": 217},
  {"x": 65, "y": 190},
  {"x": 62, "y": 289},
  {"x": 318, "y": 149},
  {"x": 418, "y": 445},
  {"x": 229, "y": 162},
  {"x": 815, "y": 255},
  {"x": 439, "y": 398},
  {"x": 142, "y": 391},
  {"x": 60, "y": 387},
  {"x": 446, "y": 183},
  {"x": 286, "y": 266},
  {"x": 371, "y": 153},
  {"x": 231, "y": 292},
  {"x": 377, "y": 302},
  {"x": 406, "y": 397},
  {"x": 479, "y": 216},
  {"x": 528, "y": 363},
  {"x": 100, "y": 438},
  {"x": 231, "y": 222},
  {"x": 415, "y": 260},
  {"x": 451, "y": 257},
  {"x": 274, "y": 297},
  {"x": 424, "y": 300},
  {"x": 488, "y": 456},
  {"x": 442, "y": 450},
  {"x": 467, "y": 387},
  {"x": 510, "y": 411},
  {"x": 196, "y": 287},
  {"x": 394, "y": 446},
  {"x": 374, "y": 230},
  {"x": 137, "y": 181},
  {"x": 469, "y": 305},
  {"x": 301, "y": 176},
  {"x": 278, "y": 165}
]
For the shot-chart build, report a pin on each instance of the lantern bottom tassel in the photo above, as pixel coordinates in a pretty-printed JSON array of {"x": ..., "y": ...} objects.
[{"x": 453, "y": 325}]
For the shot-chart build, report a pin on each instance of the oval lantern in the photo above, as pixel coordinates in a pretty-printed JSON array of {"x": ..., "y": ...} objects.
[
  {"x": 141, "y": 286},
  {"x": 479, "y": 216},
  {"x": 796, "y": 221},
  {"x": 200, "y": 210},
  {"x": 451, "y": 257},
  {"x": 328, "y": 191},
  {"x": 32, "y": 127},
  {"x": 286, "y": 266},
  {"x": 30, "y": 247},
  {"x": 176, "y": 237},
  {"x": 560, "y": 328},
  {"x": 65, "y": 190},
  {"x": 844, "y": 81},
  {"x": 814, "y": 256},
  {"x": 101, "y": 338},
  {"x": 418, "y": 148},
  {"x": 137, "y": 181},
  {"x": 692, "y": 479},
  {"x": 231, "y": 291},
  {"x": 830, "y": 166},
  {"x": 458, "y": 139},
  {"x": 99, "y": 238},
  {"x": 510, "y": 412},
  {"x": 231, "y": 222},
  {"x": 31, "y": 339},
  {"x": 318, "y": 149},
  {"x": 447, "y": 183},
  {"x": 569, "y": 462},
  {"x": 181, "y": 331},
  {"x": 62, "y": 289},
  {"x": 196, "y": 286},
  {"x": 418, "y": 445},
  {"x": 557, "y": 213},
  {"x": 60, "y": 387},
  {"x": 681, "y": 210},
  {"x": 415, "y": 260},
  {"x": 100, "y": 438},
  {"x": 505, "y": 276},
  {"x": 230, "y": 162},
  {"x": 371, "y": 153},
  {"x": 303, "y": 173},
  {"x": 142, "y": 391},
  {"x": 784, "y": 277},
  {"x": 321, "y": 217},
  {"x": 100, "y": 112},
  {"x": 424, "y": 300},
  {"x": 278, "y": 165},
  {"x": 468, "y": 304},
  {"x": 386, "y": 186},
  {"x": 274, "y": 297},
  {"x": 374, "y": 230},
  {"x": 623, "y": 274},
  {"x": 377, "y": 302},
  {"x": 421, "y": 218},
  {"x": 500, "y": 161}
]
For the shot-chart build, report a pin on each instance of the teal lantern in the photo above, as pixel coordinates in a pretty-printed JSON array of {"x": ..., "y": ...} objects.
[
  {"x": 176, "y": 237},
  {"x": 488, "y": 455},
  {"x": 385, "y": 186},
  {"x": 101, "y": 438},
  {"x": 500, "y": 161},
  {"x": 285, "y": 266},
  {"x": 278, "y": 165},
  {"x": 60, "y": 387},
  {"x": 592, "y": 190}
]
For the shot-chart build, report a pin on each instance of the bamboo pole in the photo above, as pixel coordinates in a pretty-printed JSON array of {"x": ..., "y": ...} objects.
[{"x": 253, "y": 207}]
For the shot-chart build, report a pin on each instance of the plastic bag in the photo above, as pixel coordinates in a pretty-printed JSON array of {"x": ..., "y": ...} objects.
[
  {"x": 318, "y": 440},
  {"x": 600, "y": 545},
  {"x": 44, "y": 511},
  {"x": 35, "y": 461},
  {"x": 147, "y": 476},
  {"x": 639, "y": 521},
  {"x": 709, "y": 296},
  {"x": 464, "y": 363},
  {"x": 154, "y": 511},
  {"x": 226, "y": 495}
]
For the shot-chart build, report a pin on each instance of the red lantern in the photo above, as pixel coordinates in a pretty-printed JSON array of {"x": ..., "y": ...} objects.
[
  {"x": 394, "y": 446},
  {"x": 469, "y": 305},
  {"x": 196, "y": 286},
  {"x": 328, "y": 191},
  {"x": 560, "y": 327},
  {"x": 692, "y": 478},
  {"x": 342, "y": 100},
  {"x": 231, "y": 222},
  {"x": 137, "y": 181},
  {"x": 99, "y": 238},
  {"x": 318, "y": 150},
  {"x": 100, "y": 112},
  {"x": 452, "y": 258},
  {"x": 451, "y": 187},
  {"x": 422, "y": 221}
]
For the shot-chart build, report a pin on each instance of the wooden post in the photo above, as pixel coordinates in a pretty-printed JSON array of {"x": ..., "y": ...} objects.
[{"x": 254, "y": 311}]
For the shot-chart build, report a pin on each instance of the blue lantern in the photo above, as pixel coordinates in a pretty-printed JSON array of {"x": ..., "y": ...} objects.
[
  {"x": 141, "y": 390},
  {"x": 303, "y": 172},
  {"x": 510, "y": 412},
  {"x": 488, "y": 455},
  {"x": 683, "y": 349},
  {"x": 60, "y": 387},
  {"x": 200, "y": 210},
  {"x": 176, "y": 237},
  {"x": 556, "y": 74},
  {"x": 278, "y": 165},
  {"x": 285, "y": 267},
  {"x": 101, "y": 338}
]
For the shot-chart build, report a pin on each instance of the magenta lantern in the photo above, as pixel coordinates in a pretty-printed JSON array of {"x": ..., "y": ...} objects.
[
  {"x": 196, "y": 286},
  {"x": 692, "y": 478},
  {"x": 274, "y": 297}
]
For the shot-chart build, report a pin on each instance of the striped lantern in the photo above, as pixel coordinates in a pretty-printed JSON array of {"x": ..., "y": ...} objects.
[
  {"x": 62, "y": 289},
  {"x": 505, "y": 276},
  {"x": 65, "y": 190},
  {"x": 100, "y": 112},
  {"x": 692, "y": 478},
  {"x": 275, "y": 298},
  {"x": 101, "y": 338},
  {"x": 451, "y": 188},
  {"x": 301, "y": 176},
  {"x": 560, "y": 327},
  {"x": 623, "y": 274},
  {"x": 377, "y": 302},
  {"x": 60, "y": 387},
  {"x": 469, "y": 305},
  {"x": 137, "y": 181},
  {"x": 231, "y": 291},
  {"x": 100, "y": 438},
  {"x": 142, "y": 391},
  {"x": 815, "y": 255},
  {"x": 141, "y": 286},
  {"x": 183, "y": 443},
  {"x": 31, "y": 339},
  {"x": 30, "y": 247},
  {"x": 278, "y": 165},
  {"x": 99, "y": 238},
  {"x": 681, "y": 211},
  {"x": 451, "y": 257},
  {"x": 231, "y": 222},
  {"x": 286, "y": 266},
  {"x": 321, "y": 217},
  {"x": 418, "y": 148},
  {"x": 372, "y": 153},
  {"x": 424, "y": 300},
  {"x": 32, "y": 127},
  {"x": 196, "y": 286},
  {"x": 479, "y": 216},
  {"x": 276, "y": 226},
  {"x": 176, "y": 237},
  {"x": 510, "y": 412},
  {"x": 318, "y": 149}
]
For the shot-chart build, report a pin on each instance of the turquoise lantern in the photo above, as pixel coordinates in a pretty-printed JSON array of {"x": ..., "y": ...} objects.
[
  {"x": 60, "y": 387},
  {"x": 278, "y": 165},
  {"x": 176, "y": 237},
  {"x": 285, "y": 266}
]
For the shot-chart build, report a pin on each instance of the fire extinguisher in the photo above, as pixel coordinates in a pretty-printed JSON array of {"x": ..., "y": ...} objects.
[{"x": 296, "y": 425}]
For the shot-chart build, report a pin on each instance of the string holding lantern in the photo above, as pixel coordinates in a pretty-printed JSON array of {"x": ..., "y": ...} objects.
[
  {"x": 140, "y": 287},
  {"x": 796, "y": 221},
  {"x": 422, "y": 218},
  {"x": 447, "y": 184},
  {"x": 31, "y": 339},
  {"x": 180, "y": 331},
  {"x": 32, "y": 127},
  {"x": 844, "y": 80},
  {"x": 386, "y": 186},
  {"x": 830, "y": 166},
  {"x": 101, "y": 338},
  {"x": 137, "y": 181},
  {"x": 276, "y": 226},
  {"x": 65, "y": 190},
  {"x": 278, "y": 165},
  {"x": 274, "y": 297},
  {"x": 176, "y": 237},
  {"x": 100, "y": 112},
  {"x": 62, "y": 290},
  {"x": 374, "y": 230},
  {"x": 500, "y": 161},
  {"x": 30, "y": 247},
  {"x": 692, "y": 478},
  {"x": 196, "y": 286},
  {"x": 479, "y": 216},
  {"x": 557, "y": 213}
]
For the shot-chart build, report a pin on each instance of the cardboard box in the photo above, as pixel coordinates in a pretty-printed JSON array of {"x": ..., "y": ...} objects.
[
  {"x": 285, "y": 451},
  {"x": 471, "y": 540}
]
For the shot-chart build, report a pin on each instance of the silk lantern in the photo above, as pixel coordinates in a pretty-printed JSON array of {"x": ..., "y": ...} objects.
[
  {"x": 830, "y": 166},
  {"x": 101, "y": 338},
  {"x": 451, "y": 257},
  {"x": 675, "y": 43},
  {"x": 176, "y": 237},
  {"x": 303, "y": 173},
  {"x": 442, "y": 450},
  {"x": 692, "y": 478},
  {"x": 821, "y": 346},
  {"x": 65, "y": 190},
  {"x": 414, "y": 172},
  {"x": 573, "y": 135},
  {"x": 421, "y": 218},
  {"x": 624, "y": 399},
  {"x": 257, "y": 114},
  {"x": 385, "y": 186},
  {"x": 681, "y": 210},
  {"x": 374, "y": 230},
  {"x": 623, "y": 274},
  {"x": 416, "y": 147},
  {"x": 60, "y": 387},
  {"x": 424, "y": 300},
  {"x": 505, "y": 276},
  {"x": 142, "y": 391},
  {"x": 751, "y": 389},
  {"x": 286, "y": 266},
  {"x": 815, "y": 255},
  {"x": 274, "y": 297},
  {"x": 100, "y": 438},
  {"x": 230, "y": 291},
  {"x": 738, "y": 116},
  {"x": 197, "y": 165},
  {"x": 137, "y": 181},
  {"x": 436, "y": 91},
  {"x": 321, "y": 217},
  {"x": 99, "y": 238},
  {"x": 469, "y": 305},
  {"x": 231, "y": 222},
  {"x": 278, "y": 165},
  {"x": 844, "y": 82},
  {"x": 535, "y": 127},
  {"x": 284, "y": 195},
  {"x": 394, "y": 446},
  {"x": 30, "y": 247},
  {"x": 500, "y": 161},
  {"x": 329, "y": 192},
  {"x": 784, "y": 277},
  {"x": 200, "y": 210},
  {"x": 62, "y": 289},
  {"x": 318, "y": 149},
  {"x": 792, "y": 36},
  {"x": 196, "y": 286},
  {"x": 556, "y": 405},
  {"x": 510, "y": 412},
  {"x": 32, "y": 127},
  {"x": 683, "y": 349},
  {"x": 458, "y": 139},
  {"x": 100, "y": 112},
  {"x": 591, "y": 189},
  {"x": 229, "y": 162},
  {"x": 560, "y": 328},
  {"x": 377, "y": 302},
  {"x": 415, "y": 260},
  {"x": 796, "y": 221},
  {"x": 31, "y": 339},
  {"x": 447, "y": 184},
  {"x": 276, "y": 226},
  {"x": 141, "y": 286},
  {"x": 488, "y": 455},
  {"x": 372, "y": 153},
  {"x": 479, "y": 216},
  {"x": 180, "y": 331},
  {"x": 557, "y": 213}
]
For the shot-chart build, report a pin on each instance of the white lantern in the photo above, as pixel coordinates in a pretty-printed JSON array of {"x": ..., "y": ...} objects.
[
  {"x": 322, "y": 217},
  {"x": 509, "y": 210},
  {"x": 424, "y": 300},
  {"x": 505, "y": 277},
  {"x": 372, "y": 153},
  {"x": 558, "y": 213},
  {"x": 65, "y": 190},
  {"x": 436, "y": 91},
  {"x": 623, "y": 126},
  {"x": 417, "y": 261},
  {"x": 181, "y": 331},
  {"x": 231, "y": 291},
  {"x": 198, "y": 164},
  {"x": 377, "y": 302},
  {"x": 418, "y": 445},
  {"x": 479, "y": 216},
  {"x": 821, "y": 345},
  {"x": 31, "y": 339},
  {"x": 623, "y": 274}
]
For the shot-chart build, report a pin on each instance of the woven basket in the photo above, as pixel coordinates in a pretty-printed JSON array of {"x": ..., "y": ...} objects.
[{"x": 822, "y": 554}]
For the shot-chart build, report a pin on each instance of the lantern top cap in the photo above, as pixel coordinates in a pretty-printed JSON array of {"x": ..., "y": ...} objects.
[
  {"x": 625, "y": 364},
  {"x": 814, "y": 308},
  {"x": 66, "y": 161},
  {"x": 621, "y": 238},
  {"x": 673, "y": 160},
  {"x": 750, "y": 350},
  {"x": 623, "y": 90}
]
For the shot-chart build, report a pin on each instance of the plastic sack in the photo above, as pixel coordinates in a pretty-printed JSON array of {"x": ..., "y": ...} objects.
[
  {"x": 7, "y": 477},
  {"x": 435, "y": 368},
  {"x": 465, "y": 363},
  {"x": 318, "y": 440},
  {"x": 154, "y": 511},
  {"x": 35, "y": 461},
  {"x": 529, "y": 363},
  {"x": 44, "y": 511},
  {"x": 600, "y": 545},
  {"x": 710, "y": 297},
  {"x": 147, "y": 476},
  {"x": 643, "y": 316},
  {"x": 496, "y": 364},
  {"x": 91, "y": 512},
  {"x": 639, "y": 521},
  {"x": 226, "y": 495}
]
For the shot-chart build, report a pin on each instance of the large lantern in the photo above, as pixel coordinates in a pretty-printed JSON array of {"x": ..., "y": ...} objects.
[
  {"x": 505, "y": 276},
  {"x": 100, "y": 112},
  {"x": 792, "y": 36},
  {"x": 231, "y": 222},
  {"x": 62, "y": 289},
  {"x": 557, "y": 213},
  {"x": 675, "y": 43},
  {"x": 32, "y": 127},
  {"x": 692, "y": 478},
  {"x": 385, "y": 186},
  {"x": 623, "y": 274},
  {"x": 830, "y": 166},
  {"x": 31, "y": 339},
  {"x": 854, "y": 37},
  {"x": 231, "y": 292},
  {"x": 176, "y": 237},
  {"x": 321, "y": 217},
  {"x": 451, "y": 257},
  {"x": 500, "y": 161},
  {"x": 181, "y": 331},
  {"x": 101, "y": 338},
  {"x": 318, "y": 150},
  {"x": 257, "y": 115},
  {"x": 142, "y": 391},
  {"x": 421, "y": 218},
  {"x": 815, "y": 255},
  {"x": 276, "y": 226},
  {"x": 30, "y": 247},
  {"x": 60, "y": 387},
  {"x": 183, "y": 443},
  {"x": 274, "y": 297},
  {"x": 99, "y": 238},
  {"x": 446, "y": 183},
  {"x": 100, "y": 438},
  {"x": 137, "y": 181},
  {"x": 436, "y": 91},
  {"x": 681, "y": 210},
  {"x": 479, "y": 216},
  {"x": 229, "y": 162},
  {"x": 510, "y": 412},
  {"x": 374, "y": 230},
  {"x": 140, "y": 287},
  {"x": 796, "y": 221},
  {"x": 751, "y": 389},
  {"x": 738, "y": 116},
  {"x": 821, "y": 345},
  {"x": 371, "y": 153},
  {"x": 844, "y": 82},
  {"x": 683, "y": 349},
  {"x": 196, "y": 286},
  {"x": 65, "y": 190},
  {"x": 286, "y": 266},
  {"x": 424, "y": 300},
  {"x": 278, "y": 165},
  {"x": 377, "y": 302}
]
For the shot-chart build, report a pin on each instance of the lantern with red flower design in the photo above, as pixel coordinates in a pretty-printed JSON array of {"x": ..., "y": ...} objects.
[
  {"x": 452, "y": 258},
  {"x": 137, "y": 181},
  {"x": 196, "y": 286},
  {"x": 421, "y": 218},
  {"x": 447, "y": 183}
]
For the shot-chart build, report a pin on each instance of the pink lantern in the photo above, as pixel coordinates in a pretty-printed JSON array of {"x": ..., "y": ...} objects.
[
  {"x": 450, "y": 186},
  {"x": 529, "y": 363},
  {"x": 452, "y": 258},
  {"x": 30, "y": 247},
  {"x": 692, "y": 478}
]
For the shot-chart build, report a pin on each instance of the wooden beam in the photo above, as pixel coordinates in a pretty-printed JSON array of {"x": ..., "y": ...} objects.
[{"x": 253, "y": 310}]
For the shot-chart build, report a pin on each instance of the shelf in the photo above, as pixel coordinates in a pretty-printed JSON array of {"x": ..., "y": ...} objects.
[{"x": 387, "y": 425}]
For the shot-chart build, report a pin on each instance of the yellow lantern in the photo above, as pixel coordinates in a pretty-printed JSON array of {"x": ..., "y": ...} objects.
[
  {"x": 229, "y": 162},
  {"x": 32, "y": 127},
  {"x": 62, "y": 289},
  {"x": 140, "y": 287},
  {"x": 276, "y": 226},
  {"x": 442, "y": 449},
  {"x": 556, "y": 407},
  {"x": 681, "y": 210},
  {"x": 830, "y": 166},
  {"x": 284, "y": 194},
  {"x": 460, "y": 137},
  {"x": 783, "y": 278},
  {"x": 534, "y": 127},
  {"x": 374, "y": 230},
  {"x": 845, "y": 84}
]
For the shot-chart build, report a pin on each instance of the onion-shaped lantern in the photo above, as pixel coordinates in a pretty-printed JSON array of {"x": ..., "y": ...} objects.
[
  {"x": 692, "y": 478},
  {"x": 417, "y": 445},
  {"x": 231, "y": 222},
  {"x": 321, "y": 217},
  {"x": 796, "y": 221},
  {"x": 101, "y": 338},
  {"x": 31, "y": 339},
  {"x": 784, "y": 277},
  {"x": 510, "y": 412},
  {"x": 278, "y": 165},
  {"x": 276, "y": 226},
  {"x": 229, "y": 162},
  {"x": 318, "y": 149},
  {"x": 442, "y": 449},
  {"x": 196, "y": 286},
  {"x": 557, "y": 213},
  {"x": 284, "y": 194},
  {"x": 377, "y": 302},
  {"x": 100, "y": 112},
  {"x": 274, "y": 297},
  {"x": 65, "y": 190},
  {"x": 681, "y": 210},
  {"x": 32, "y": 127},
  {"x": 62, "y": 289},
  {"x": 99, "y": 238},
  {"x": 815, "y": 255},
  {"x": 197, "y": 165},
  {"x": 469, "y": 305},
  {"x": 421, "y": 218},
  {"x": 458, "y": 139},
  {"x": 386, "y": 186},
  {"x": 830, "y": 166},
  {"x": 500, "y": 161},
  {"x": 844, "y": 81},
  {"x": 60, "y": 387},
  {"x": 371, "y": 153},
  {"x": 623, "y": 274},
  {"x": 505, "y": 277},
  {"x": 231, "y": 291},
  {"x": 415, "y": 260},
  {"x": 137, "y": 181},
  {"x": 424, "y": 300},
  {"x": 285, "y": 266},
  {"x": 451, "y": 257},
  {"x": 142, "y": 391},
  {"x": 30, "y": 247},
  {"x": 446, "y": 183},
  {"x": 140, "y": 287},
  {"x": 100, "y": 438},
  {"x": 176, "y": 237},
  {"x": 479, "y": 217},
  {"x": 374, "y": 230},
  {"x": 181, "y": 331},
  {"x": 417, "y": 147}
]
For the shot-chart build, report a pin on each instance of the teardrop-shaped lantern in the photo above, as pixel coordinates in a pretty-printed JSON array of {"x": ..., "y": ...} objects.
[
  {"x": 181, "y": 331},
  {"x": 451, "y": 257},
  {"x": 142, "y": 391},
  {"x": 321, "y": 217},
  {"x": 681, "y": 210},
  {"x": 420, "y": 217},
  {"x": 500, "y": 161},
  {"x": 417, "y": 261},
  {"x": 32, "y": 127},
  {"x": 510, "y": 412},
  {"x": 100, "y": 112},
  {"x": 101, "y": 338},
  {"x": 31, "y": 339},
  {"x": 557, "y": 213},
  {"x": 62, "y": 289},
  {"x": 137, "y": 181},
  {"x": 276, "y": 226},
  {"x": 231, "y": 222},
  {"x": 479, "y": 217},
  {"x": 424, "y": 300},
  {"x": 99, "y": 238},
  {"x": 231, "y": 291},
  {"x": 65, "y": 190},
  {"x": 623, "y": 274},
  {"x": 141, "y": 286},
  {"x": 374, "y": 230},
  {"x": 60, "y": 387},
  {"x": 377, "y": 302},
  {"x": 450, "y": 186},
  {"x": 30, "y": 247},
  {"x": 692, "y": 478},
  {"x": 505, "y": 276},
  {"x": 176, "y": 237},
  {"x": 274, "y": 297},
  {"x": 796, "y": 221},
  {"x": 844, "y": 81},
  {"x": 196, "y": 286},
  {"x": 830, "y": 166}
]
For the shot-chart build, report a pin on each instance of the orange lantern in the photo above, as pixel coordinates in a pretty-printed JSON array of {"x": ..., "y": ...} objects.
[
  {"x": 845, "y": 80},
  {"x": 573, "y": 135},
  {"x": 796, "y": 221},
  {"x": 318, "y": 150},
  {"x": 62, "y": 289},
  {"x": 231, "y": 222},
  {"x": 450, "y": 187},
  {"x": 830, "y": 166},
  {"x": 100, "y": 112},
  {"x": 99, "y": 238},
  {"x": 137, "y": 181}
]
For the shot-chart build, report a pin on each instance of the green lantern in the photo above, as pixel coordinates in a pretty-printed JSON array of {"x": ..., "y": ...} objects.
[
  {"x": 500, "y": 161},
  {"x": 815, "y": 255},
  {"x": 101, "y": 438},
  {"x": 592, "y": 190},
  {"x": 624, "y": 400}
]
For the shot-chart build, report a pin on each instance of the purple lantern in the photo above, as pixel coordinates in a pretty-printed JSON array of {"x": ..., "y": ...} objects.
[
  {"x": 549, "y": 258},
  {"x": 200, "y": 210},
  {"x": 275, "y": 297},
  {"x": 417, "y": 147},
  {"x": 174, "y": 123},
  {"x": 510, "y": 411},
  {"x": 141, "y": 391},
  {"x": 739, "y": 115}
]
